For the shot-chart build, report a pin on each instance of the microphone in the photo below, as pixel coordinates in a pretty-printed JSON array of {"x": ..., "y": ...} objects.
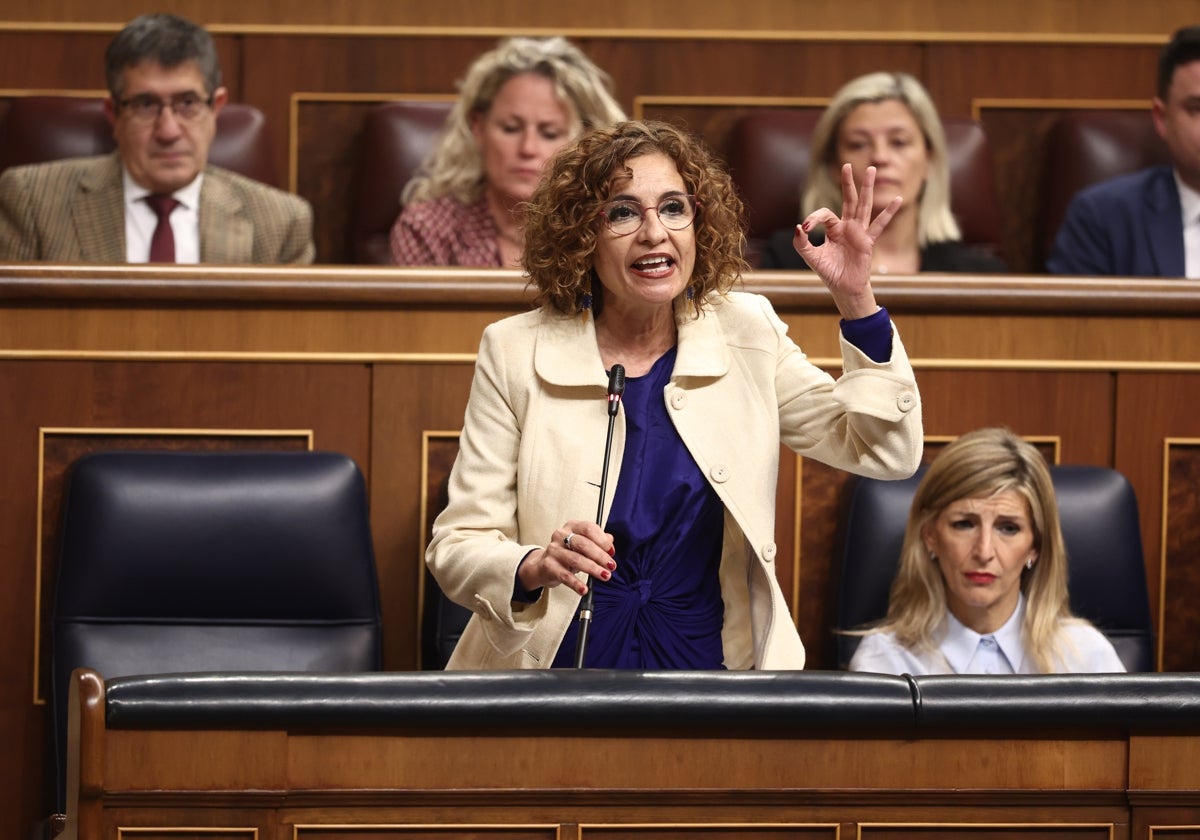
[{"x": 616, "y": 387}]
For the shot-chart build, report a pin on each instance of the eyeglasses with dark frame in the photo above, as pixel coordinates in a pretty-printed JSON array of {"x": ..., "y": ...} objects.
[
  {"x": 625, "y": 216},
  {"x": 147, "y": 108}
]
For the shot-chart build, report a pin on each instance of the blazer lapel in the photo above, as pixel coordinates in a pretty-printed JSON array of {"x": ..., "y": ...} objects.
[
  {"x": 1163, "y": 225},
  {"x": 226, "y": 232},
  {"x": 98, "y": 213},
  {"x": 702, "y": 350}
]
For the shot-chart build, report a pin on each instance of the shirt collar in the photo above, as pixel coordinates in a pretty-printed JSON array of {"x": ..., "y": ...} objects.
[
  {"x": 188, "y": 196},
  {"x": 960, "y": 641}
]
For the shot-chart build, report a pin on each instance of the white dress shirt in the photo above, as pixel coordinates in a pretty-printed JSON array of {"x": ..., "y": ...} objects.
[
  {"x": 140, "y": 221},
  {"x": 1189, "y": 201},
  {"x": 963, "y": 651}
]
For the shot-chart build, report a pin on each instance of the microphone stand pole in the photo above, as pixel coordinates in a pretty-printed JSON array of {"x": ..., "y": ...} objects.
[{"x": 616, "y": 386}]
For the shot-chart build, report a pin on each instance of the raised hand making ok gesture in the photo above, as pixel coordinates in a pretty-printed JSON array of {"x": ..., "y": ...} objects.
[{"x": 843, "y": 261}]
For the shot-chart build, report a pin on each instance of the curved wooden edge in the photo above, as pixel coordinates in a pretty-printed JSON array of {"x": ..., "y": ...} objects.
[
  {"x": 85, "y": 738},
  {"x": 323, "y": 286},
  {"x": 355, "y": 286}
]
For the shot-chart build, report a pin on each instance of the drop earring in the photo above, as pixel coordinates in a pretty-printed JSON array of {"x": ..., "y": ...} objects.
[{"x": 1029, "y": 562}]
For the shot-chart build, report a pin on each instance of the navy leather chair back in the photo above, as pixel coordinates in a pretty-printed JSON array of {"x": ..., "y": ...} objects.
[
  {"x": 213, "y": 561},
  {"x": 1099, "y": 518}
]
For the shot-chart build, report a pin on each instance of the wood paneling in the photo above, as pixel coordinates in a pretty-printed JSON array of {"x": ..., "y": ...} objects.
[
  {"x": 469, "y": 780},
  {"x": 409, "y": 402},
  {"x": 1179, "y": 575},
  {"x": 310, "y": 70},
  {"x": 895, "y": 18},
  {"x": 1071, "y": 362},
  {"x": 167, "y": 402},
  {"x": 1162, "y": 408}
]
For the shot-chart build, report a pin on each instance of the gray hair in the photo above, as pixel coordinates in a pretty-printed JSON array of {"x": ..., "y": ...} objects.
[{"x": 166, "y": 39}]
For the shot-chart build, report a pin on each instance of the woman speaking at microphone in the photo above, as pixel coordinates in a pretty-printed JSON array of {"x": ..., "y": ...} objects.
[{"x": 634, "y": 241}]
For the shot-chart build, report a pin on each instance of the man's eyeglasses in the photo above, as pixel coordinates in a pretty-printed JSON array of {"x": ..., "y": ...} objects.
[
  {"x": 147, "y": 108},
  {"x": 626, "y": 216}
]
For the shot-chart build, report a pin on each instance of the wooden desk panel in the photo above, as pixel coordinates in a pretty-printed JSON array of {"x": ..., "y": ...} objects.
[
  {"x": 377, "y": 363},
  {"x": 470, "y": 782}
]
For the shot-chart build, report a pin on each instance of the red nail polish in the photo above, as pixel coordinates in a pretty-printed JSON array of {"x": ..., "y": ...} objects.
[
  {"x": 805, "y": 226},
  {"x": 612, "y": 552},
  {"x": 605, "y": 575},
  {"x": 611, "y": 566}
]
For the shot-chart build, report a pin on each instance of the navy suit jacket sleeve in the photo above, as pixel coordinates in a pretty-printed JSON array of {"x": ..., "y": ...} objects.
[{"x": 1083, "y": 244}]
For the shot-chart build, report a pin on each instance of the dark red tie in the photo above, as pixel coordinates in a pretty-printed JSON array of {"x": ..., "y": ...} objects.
[{"x": 162, "y": 243}]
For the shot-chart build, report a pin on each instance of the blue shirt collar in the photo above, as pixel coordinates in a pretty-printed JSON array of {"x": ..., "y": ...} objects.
[{"x": 960, "y": 642}]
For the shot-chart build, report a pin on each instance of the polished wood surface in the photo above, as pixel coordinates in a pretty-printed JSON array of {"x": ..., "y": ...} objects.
[
  {"x": 898, "y": 17},
  {"x": 377, "y": 363}
]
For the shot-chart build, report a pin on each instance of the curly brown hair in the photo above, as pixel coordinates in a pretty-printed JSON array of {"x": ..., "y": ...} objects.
[{"x": 562, "y": 222}]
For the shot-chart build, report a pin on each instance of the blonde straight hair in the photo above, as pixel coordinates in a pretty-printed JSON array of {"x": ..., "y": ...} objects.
[
  {"x": 935, "y": 222},
  {"x": 978, "y": 465}
]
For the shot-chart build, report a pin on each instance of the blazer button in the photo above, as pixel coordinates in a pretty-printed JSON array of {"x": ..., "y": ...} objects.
[
  {"x": 678, "y": 398},
  {"x": 906, "y": 401},
  {"x": 768, "y": 552},
  {"x": 719, "y": 473}
]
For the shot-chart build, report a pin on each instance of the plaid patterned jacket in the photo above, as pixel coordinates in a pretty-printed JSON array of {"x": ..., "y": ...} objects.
[{"x": 73, "y": 211}]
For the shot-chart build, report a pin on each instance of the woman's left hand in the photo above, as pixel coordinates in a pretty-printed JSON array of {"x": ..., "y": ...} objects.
[{"x": 843, "y": 261}]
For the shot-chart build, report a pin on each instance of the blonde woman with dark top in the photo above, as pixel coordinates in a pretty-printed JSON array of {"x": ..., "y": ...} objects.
[{"x": 889, "y": 121}]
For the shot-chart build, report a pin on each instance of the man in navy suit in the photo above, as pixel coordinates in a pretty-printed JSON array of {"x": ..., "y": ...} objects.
[{"x": 1147, "y": 223}]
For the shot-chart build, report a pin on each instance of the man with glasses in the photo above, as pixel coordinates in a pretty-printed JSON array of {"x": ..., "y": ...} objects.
[{"x": 155, "y": 199}]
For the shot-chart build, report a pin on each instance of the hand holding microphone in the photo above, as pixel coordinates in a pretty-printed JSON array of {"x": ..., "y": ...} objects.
[{"x": 579, "y": 546}]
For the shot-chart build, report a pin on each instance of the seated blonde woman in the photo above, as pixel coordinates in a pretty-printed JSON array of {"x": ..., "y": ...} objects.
[
  {"x": 519, "y": 104},
  {"x": 889, "y": 121},
  {"x": 982, "y": 584}
]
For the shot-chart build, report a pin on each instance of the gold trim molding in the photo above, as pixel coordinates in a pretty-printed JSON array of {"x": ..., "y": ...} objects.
[{"x": 675, "y": 32}]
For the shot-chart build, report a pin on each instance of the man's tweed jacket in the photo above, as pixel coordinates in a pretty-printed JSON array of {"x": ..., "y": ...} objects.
[{"x": 73, "y": 211}]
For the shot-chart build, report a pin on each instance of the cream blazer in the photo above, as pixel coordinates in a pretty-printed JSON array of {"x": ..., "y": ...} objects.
[{"x": 532, "y": 445}]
